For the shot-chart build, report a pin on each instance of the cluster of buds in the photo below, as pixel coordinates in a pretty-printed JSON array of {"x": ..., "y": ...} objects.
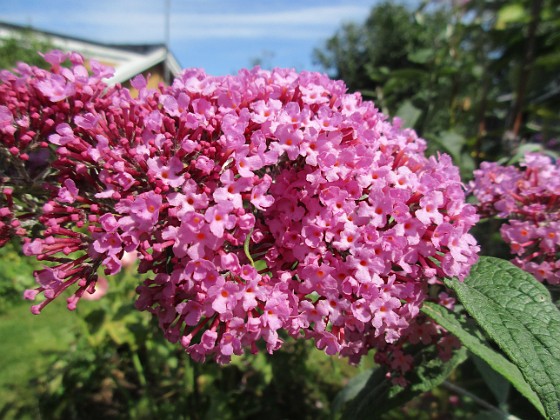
[
  {"x": 9, "y": 226},
  {"x": 265, "y": 204},
  {"x": 527, "y": 196}
]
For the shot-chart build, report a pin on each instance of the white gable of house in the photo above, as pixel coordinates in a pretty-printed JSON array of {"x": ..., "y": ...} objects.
[{"x": 127, "y": 60}]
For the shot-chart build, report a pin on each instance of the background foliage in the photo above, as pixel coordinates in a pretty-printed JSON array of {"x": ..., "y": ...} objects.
[
  {"x": 23, "y": 48},
  {"x": 478, "y": 79}
]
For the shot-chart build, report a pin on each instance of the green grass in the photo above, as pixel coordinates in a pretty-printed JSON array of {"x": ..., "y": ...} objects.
[{"x": 26, "y": 341}]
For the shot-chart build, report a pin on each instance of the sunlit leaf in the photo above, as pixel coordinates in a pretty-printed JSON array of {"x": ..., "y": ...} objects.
[
  {"x": 473, "y": 341},
  {"x": 351, "y": 390},
  {"x": 510, "y": 13},
  {"x": 517, "y": 312},
  {"x": 409, "y": 114},
  {"x": 451, "y": 142}
]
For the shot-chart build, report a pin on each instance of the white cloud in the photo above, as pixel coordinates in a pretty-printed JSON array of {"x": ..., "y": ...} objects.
[
  {"x": 309, "y": 16},
  {"x": 144, "y": 25},
  {"x": 306, "y": 23}
]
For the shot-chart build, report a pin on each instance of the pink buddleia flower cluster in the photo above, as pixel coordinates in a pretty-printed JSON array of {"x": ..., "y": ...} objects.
[
  {"x": 265, "y": 204},
  {"x": 528, "y": 197},
  {"x": 34, "y": 103}
]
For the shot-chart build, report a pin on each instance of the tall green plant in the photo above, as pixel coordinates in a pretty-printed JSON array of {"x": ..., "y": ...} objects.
[{"x": 23, "y": 47}]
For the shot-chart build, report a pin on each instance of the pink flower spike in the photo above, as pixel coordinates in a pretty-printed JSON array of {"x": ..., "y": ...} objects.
[
  {"x": 260, "y": 205},
  {"x": 6, "y": 119}
]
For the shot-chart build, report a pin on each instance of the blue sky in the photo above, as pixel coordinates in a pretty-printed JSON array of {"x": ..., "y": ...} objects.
[{"x": 220, "y": 36}]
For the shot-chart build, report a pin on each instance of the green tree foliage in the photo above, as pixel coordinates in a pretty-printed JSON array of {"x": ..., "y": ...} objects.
[
  {"x": 477, "y": 79},
  {"x": 23, "y": 47},
  {"x": 362, "y": 54}
]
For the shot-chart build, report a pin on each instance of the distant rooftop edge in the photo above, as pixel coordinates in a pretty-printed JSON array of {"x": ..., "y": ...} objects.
[{"x": 141, "y": 48}]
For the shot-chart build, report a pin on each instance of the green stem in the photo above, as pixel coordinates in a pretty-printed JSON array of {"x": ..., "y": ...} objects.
[
  {"x": 478, "y": 400},
  {"x": 139, "y": 369},
  {"x": 246, "y": 247}
]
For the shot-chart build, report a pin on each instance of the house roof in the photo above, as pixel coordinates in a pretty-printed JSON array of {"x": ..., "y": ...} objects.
[{"x": 127, "y": 59}]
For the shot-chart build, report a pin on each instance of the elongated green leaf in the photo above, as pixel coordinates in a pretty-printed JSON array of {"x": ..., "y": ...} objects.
[
  {"x": 355, "y": 385},
  {"x": 421, "y": 56},
  {"x": 409, "y": 74},
  {"x": 452, "y": 142},
  {"x": 409, "y": 114},
  {"x": 373, "y": 392},
  {"x": 517, "y": 313},
  {"x": 467, "y": 334},
  {"x": 523, "y": 150},
  {"x": 378, "y": 396},
  {"x": 548, "y": 60},
  {"x": 499, "y": 385}
]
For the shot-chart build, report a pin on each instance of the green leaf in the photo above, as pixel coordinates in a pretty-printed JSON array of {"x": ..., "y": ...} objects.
[
  {"x": 517, "y": 312},
  {"x": 261, "y": 265},
  {"x": 510, "y": 13},
  {"x": 548, "y": 60},
  {"x": 421, "y": 56},
  {"x": 410, "y": 74},
  {"x": 527, "y": 148},
  {"x": 466, "y": 165},
  {"x": 374, "y": 391},
  {"x": 452, "y": 142},
  {"x": 419, "y": 18},
  {"x": 377, "y": 74},
  {"x": 409, "y": 114},
  {"x": 351, "y": 390},
  {"x": 368, "y": 93},
  {"x": 379, "y": 396},
  {"x": 95, "y": 320},
  {"x": 476, "y": 344},
  {"x": 499, "y": 385}
]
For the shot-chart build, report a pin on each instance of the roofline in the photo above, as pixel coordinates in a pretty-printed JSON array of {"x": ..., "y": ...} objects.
[
  {"x": 129, "y": 70},
  {"x": 97, "y": 50},
  {"x": 49, "y": 34}
]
